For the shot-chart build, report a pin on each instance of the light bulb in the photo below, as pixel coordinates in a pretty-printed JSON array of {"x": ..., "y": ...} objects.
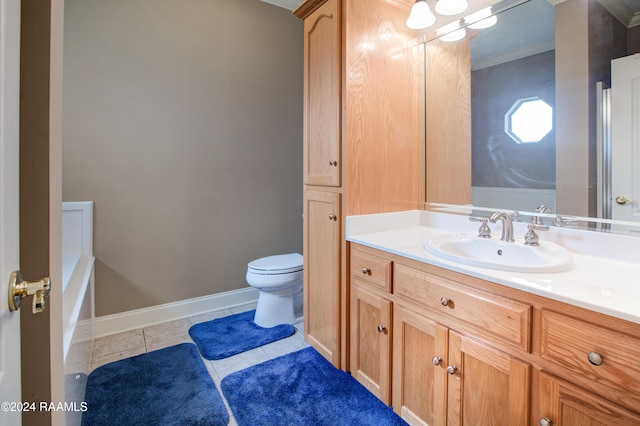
[
  {"x": 451, "y": 7},
  {"x": 421, "y": 16}
]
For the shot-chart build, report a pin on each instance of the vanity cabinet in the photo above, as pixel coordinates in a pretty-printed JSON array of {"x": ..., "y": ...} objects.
[
  {"x": 420, "y": 357},
  {"x": 371, "y": 341},
  {"x": 469, "y": 351},
  {"x": 440, "y": 376},
  {"x": 562, "y": 403},
  {"x": 603, "y": 363},
  {"x": 371, "y": 323},
  {"x": 485, "y": 386},
  {"x": 464, "y": 378}
]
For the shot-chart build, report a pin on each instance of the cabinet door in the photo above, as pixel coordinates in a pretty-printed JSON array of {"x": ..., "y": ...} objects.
[
  {"x": 321, "y": 235},
  {"x": 486, "y": 386},
  {"x": 563, "y": 404},
  {"x": 371, "y": 341},
  {"x": 419, "y": 368},
  {"x": 322, "y": 95}
]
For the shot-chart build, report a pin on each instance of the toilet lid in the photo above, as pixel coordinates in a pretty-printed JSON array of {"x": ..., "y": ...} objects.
[{"x": 279, "y": 264}]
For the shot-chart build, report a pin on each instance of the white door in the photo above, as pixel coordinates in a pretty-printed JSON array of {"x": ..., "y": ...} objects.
[
  {"x": 625, "y": 138},
  {"x": 10, "y": 390}
]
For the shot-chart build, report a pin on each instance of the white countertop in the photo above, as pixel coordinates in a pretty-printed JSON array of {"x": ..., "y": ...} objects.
[{"x": 605, "y": 276}]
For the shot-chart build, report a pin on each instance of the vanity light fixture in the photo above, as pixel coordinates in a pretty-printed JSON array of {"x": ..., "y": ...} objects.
[
  {"x": 451, "y": 32},
  {"x": 421, "y": 16},
  {"x": 481, "y": 19},
  {"x": 451, "y": 7}
]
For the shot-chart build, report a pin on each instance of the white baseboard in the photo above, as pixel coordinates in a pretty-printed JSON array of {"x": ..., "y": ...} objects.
[
  {"x": 131, "y": 320},
  {"x": 83, "y": 331}
]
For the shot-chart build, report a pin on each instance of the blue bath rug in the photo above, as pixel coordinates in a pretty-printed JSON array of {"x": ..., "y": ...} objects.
[
  {"x": 224, "y": 337},
  {"x": 302, "y": 388},
  {"x": 169, "y": 386}
]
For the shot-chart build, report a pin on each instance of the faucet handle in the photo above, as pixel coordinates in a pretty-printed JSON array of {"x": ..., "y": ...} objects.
[
  {"x": 531, "y": 238},
  {"x": 537, "y": 220},
  {"x": 484, "y": 231}
]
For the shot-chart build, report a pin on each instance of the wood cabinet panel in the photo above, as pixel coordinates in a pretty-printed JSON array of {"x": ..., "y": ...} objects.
[
  {"x": 384, "y": 128},
  {"x": 567, "y": 342},
  {"x": 371, "y": 269},
  {"x": 490, "y": 315},
  {"x": 488, "y": 387},
  {"x": 322, "y": 259},
  {"x": 371, "y": 334},
  {"x": 419, "y": 384},
  {"x": 322, "y": 128},
  {"x": 563, "y": 404}
]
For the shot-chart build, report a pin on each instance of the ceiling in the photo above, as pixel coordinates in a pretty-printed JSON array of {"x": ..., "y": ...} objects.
[
  {"x": 627, "y": 11},
  {"x": 285, "y": 4}
]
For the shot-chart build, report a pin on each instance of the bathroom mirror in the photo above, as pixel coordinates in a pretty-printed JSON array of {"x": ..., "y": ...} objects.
[{"x": 535, "y": 108}]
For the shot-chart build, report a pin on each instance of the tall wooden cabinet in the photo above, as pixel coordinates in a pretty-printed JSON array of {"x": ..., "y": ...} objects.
[
  {"x": 323, "y": 232},
  {"x": 363, "y": 142}
]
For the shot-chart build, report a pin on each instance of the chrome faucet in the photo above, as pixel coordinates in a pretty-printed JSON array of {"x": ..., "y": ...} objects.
[
  {"x": 507, "y": 225},
  {"x": 537, "y": 220}
]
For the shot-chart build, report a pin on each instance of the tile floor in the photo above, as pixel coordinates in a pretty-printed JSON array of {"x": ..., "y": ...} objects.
[{"x": 123, "y": 345}]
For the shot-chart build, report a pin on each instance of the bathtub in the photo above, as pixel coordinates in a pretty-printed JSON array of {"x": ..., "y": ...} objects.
[{"x": 77, "y": 284}]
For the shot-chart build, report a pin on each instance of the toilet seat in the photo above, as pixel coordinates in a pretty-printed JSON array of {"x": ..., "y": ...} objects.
[{"x": 277, "y": 265}]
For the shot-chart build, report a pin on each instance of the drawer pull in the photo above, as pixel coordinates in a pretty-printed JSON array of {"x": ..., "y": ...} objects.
[
  {"x": 333, "y": 163},
  {"x": 445, "y": 301},
  {"x": 545, "y": 421},
  {"x": 436, "y": 360},
  {"x": 332, "y": 217},
  {"x": 594, "y": 358},
  {"x": 452, "y": 369},
  {"x": 382, "y": 329},
  {"x": 366, "y": 271}
]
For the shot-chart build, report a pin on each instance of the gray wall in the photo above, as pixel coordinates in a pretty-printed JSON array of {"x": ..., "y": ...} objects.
[
  {"x": 183, "y": 123},
  {"x": 498, "y": 161}
]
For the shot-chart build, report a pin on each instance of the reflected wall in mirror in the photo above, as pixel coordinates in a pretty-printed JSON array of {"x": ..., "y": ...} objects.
[{"x": 554, "y": 51}]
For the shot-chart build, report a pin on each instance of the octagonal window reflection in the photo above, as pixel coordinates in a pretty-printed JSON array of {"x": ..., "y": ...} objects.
[{"x": 528, "y": 120}]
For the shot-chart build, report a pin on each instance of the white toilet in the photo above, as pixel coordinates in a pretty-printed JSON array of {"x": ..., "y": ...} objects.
[{"x": 279, "y": 279}]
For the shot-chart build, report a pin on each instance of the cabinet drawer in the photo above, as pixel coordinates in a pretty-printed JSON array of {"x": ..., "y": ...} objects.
[
  {"x": 371, "y": 269},
  {"x": 568, "y": 341},
  {"x": 490, "y": 315}
]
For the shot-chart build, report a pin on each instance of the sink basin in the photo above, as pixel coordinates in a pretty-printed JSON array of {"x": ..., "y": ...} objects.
[{"x": 496, "y": 254}]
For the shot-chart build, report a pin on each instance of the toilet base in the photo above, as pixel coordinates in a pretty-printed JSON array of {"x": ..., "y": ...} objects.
[{"x": 274, "y": 309}]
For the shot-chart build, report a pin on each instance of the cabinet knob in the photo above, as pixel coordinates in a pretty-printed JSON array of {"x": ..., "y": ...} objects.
[
  {"x": 594, "y": 358},
  {"x": 545, "y": 421},
  {"x": 333, "y": 163},
  {"x": 382, "y": 329},
  {"x": 366, "y": 271},
  {"x": 451, "y": 369},
  {"x": 436, "y": 360},
  {"x": 332, "y": 217},
  {"x": 445, "y": 301}
]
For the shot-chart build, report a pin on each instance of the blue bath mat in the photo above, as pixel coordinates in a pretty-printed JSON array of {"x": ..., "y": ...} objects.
[
  {"x": 302, "y": 388},
  {"x": 224, "y": 337},
  {"x": 169, "y": 386}
]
